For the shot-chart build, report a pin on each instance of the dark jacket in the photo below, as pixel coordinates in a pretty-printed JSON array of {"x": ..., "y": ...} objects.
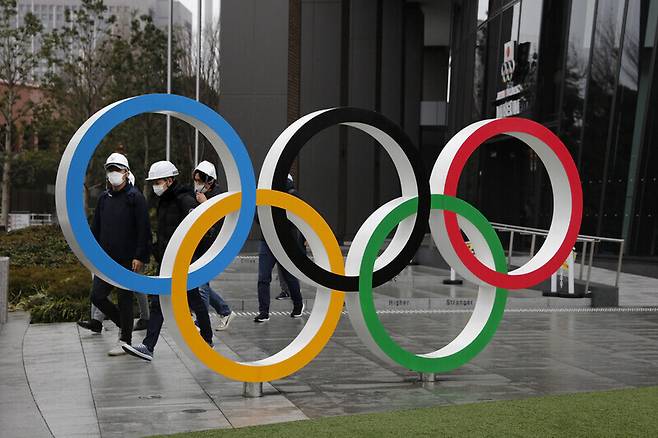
[
  {"x": 211, "y": 235},
  {"x": 291, "y": 190},
  {"x": 121, "y": 225},
  {"x": 174, "y": 204}
]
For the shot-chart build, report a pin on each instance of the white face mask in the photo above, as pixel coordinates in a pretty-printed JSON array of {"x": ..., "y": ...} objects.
[
  {"x": 115, "y": 178},
  {"x": 159, "y": 189},
  {"x": 200, "y": 188}
]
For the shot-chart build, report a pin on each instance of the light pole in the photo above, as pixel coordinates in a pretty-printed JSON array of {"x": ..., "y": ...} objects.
[
  {"x": 169, "y": 36},
  {"x": 198, "y": 75}
]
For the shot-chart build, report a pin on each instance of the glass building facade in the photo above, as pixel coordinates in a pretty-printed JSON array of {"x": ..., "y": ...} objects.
[{"x": 586, "y": 69}]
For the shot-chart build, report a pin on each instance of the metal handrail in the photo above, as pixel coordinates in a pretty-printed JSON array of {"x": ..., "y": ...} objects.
[
  {"x": 588, "y": 243},
  {"x": 582, "y": 238},
  {"x": 539, "y": 231},
  {"x": 33, "y": 219}
]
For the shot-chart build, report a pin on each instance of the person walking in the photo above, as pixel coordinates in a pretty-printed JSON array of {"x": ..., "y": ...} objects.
[
  {"x": 285, "y": 291},
  {"x": 266, "y": 262},
  {"x": 175, "y": 201},
  {"x": 142, "y": 299},
  {"x": 140, "y": 324},
  {"x": 205, "y": 187},
  {"x": 121, "y": 227}
]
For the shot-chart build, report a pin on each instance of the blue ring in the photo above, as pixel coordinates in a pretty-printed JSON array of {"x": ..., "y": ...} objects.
[{"x": 122, "y": 111}]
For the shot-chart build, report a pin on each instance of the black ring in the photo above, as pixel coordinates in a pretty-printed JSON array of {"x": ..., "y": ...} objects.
[{"x": 305, "y": 132}]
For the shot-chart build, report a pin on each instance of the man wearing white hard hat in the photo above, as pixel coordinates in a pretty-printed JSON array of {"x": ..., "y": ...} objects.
[
  {"x": 121, "y": 227},
  {"x": 175, "y": 201},
  {"x": 205, "y": 187},
  {"x": 142, "y": 301}
]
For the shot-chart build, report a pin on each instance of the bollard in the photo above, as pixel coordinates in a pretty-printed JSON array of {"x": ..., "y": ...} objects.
[
  {"x": 252, "y": 389},
  {"x": 426, "y": 377},
  {"x": 453, "y": 278},
  {"x": 4, "y": 289}
]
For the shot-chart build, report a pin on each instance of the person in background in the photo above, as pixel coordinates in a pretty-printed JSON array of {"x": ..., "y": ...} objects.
[
  {"x": 266, "y": 262},
  {"x": 121, "y": 227},
  {"x": 285, "y": 290},
  {"x": 175, "y": 201},
  {"x": 205, "y": 187}
]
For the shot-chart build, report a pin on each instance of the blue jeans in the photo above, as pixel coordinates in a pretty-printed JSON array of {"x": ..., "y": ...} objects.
[
  {"x": 155, "y": 322},
  {"x": 212, "y": 298},
  {"x": 266, "y": 262}
]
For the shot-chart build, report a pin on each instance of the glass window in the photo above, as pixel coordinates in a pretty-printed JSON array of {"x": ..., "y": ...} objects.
[
  {"x": 628, "y": 75},
  {"x": 530, "y": 23},
  {"x": 634, "y": 80},
  {"x": 516, "y": 14},
  {"x": 527, "y": 55},
  {"x": 600, "y": 98},
  {"x": 483, "y": 11},
  {"x": 575, "y": 80},
  {"x": 644, "y": 233},
  {"x": 551, "y": 60},
  {"x": 479, "y": 70},
  {"x": 510, "y": 24},
  {"x": 494, "y": 60},
  {"x": 623, "y": 124}
]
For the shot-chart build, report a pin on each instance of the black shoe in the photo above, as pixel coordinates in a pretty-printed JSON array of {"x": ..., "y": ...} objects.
[
  {"x": 141, "y": 324},
  {"x": 93, "y": 324},
  {"x": 282, "y": 296},
  {"x": 262, "y": 317},
  {"x": 297, "y": 310}
]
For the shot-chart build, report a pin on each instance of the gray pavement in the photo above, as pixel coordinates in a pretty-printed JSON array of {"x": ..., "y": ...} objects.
[{"x": 57, "y": 380}]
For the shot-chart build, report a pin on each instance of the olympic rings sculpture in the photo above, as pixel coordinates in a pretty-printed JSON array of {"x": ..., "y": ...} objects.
[{"x": 337, "y": 281}]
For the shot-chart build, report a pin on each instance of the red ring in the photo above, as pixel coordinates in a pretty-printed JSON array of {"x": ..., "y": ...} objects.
[{"x": 477, "y": 138}]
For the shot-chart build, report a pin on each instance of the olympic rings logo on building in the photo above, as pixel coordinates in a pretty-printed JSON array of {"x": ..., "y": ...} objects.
[
  {"x": 507, "y": 70},
  {"x": 338, "y": 281}
]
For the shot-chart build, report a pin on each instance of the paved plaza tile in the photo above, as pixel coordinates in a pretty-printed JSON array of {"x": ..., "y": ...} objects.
[{"x": 57, "y": 379}]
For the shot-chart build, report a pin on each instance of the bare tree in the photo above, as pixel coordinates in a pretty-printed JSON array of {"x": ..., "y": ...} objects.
[
  {"x": 17, "y": 62},
  {"x": 79, "y": 67},
  {"x": 139, "y": 66},
  {"x": 209, "y": 76}
]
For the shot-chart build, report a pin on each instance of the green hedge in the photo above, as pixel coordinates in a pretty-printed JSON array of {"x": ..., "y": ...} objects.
[
  {"x": 45, "y": 277},
  {"x": 42, "y": 246}
]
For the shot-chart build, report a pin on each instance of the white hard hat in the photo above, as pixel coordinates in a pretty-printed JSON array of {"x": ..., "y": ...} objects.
[
  {"x": 117, "y": 159},
  {"x": 161, "y": 169},
  {"x": 206, "y": 167}
]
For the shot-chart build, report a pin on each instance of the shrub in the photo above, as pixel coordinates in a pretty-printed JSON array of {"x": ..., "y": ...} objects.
[
  {"x": 46, "y": 308},
  {"x": 42, "y": 246},
  {"x": 45, "y": 277},
  {"x": 72, "y": 281}
]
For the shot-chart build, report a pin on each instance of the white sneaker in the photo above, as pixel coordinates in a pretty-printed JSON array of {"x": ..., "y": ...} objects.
[
  {"x": 117, "y": 350},
  {"x": 224, "y": 321}
]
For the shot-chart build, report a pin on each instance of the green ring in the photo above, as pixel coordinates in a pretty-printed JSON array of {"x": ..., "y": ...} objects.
[{"x": 377, "y": 330}]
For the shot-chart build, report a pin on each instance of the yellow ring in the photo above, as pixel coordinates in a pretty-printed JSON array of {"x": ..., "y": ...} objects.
[{"x": 253, "y": 371}]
